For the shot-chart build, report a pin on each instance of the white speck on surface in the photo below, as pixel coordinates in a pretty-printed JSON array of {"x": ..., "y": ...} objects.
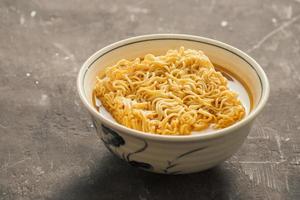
[
  {"x": 36, "y": 82},
  {"x": 66, "y": 57},
  {"x": 132, "y": 17},
  {"x": 28, "y": 74},
  {"x": 39, "y": 171},
  {"x": 295, "y": 161},
  {"x": 287, "y": 139},
  {"x": 224, "y": 23},
  {"x": 22, "y": 20},
  {"x": 33, "y": 13},
  {"x": 65, "y": 51},
  {"x": 76, "y": 103},
  {"x": 56, "y": 54},
  {"x": 44, "y": 100},
  {"x": 274, "y": 21}
]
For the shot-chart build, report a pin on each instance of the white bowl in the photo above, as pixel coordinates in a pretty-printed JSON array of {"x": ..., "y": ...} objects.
[{"x": 173, "y": 154}]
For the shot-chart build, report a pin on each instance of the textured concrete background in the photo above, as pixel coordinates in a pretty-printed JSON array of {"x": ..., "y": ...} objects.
[{"x": 48, "y": 146}]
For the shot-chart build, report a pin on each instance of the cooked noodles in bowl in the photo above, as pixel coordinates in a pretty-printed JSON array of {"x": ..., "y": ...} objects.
[{"x": 172, "y": 94}]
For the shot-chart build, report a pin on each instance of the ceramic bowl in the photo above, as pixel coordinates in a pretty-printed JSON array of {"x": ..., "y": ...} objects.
[{"x": 173, "y": 154}]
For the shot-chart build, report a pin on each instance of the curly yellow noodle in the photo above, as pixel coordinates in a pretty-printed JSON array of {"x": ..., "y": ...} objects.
[{"x": 172, "y": 94}]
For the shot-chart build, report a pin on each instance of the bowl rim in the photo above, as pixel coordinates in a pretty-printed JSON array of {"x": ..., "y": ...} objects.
[{"x": 140, "y": 134}]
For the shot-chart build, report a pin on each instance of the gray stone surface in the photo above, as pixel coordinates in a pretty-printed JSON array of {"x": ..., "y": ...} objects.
[{"x": 48, "y": 147}]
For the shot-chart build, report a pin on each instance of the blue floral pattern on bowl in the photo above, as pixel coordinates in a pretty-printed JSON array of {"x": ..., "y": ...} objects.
[
  {"x": 173, "y": 163},
  {"x": 112, "y": 139}
]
